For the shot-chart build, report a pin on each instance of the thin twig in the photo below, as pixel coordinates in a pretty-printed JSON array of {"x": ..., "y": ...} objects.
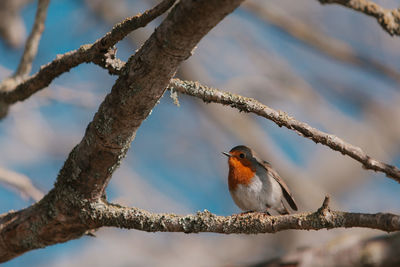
[
  {"x": 373, "y": 251},
  {"x": 387, "y": 18},
  {"x": 14, "y": 92},
  {"x": 314, "y": 38},
  {"x": 32, "y": 43},
  {"x": 30, "y": 51},
  {"x": 281, "y": 118},
  {"x": 106, "y": 214},
  {"x": 21, "y": 183},
  {"x": 12, "y": 28},
  {"x": 207, "y": 94}
]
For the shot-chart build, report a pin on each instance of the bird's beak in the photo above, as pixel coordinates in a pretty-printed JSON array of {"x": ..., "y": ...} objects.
[{"x": 226, "y": 154}]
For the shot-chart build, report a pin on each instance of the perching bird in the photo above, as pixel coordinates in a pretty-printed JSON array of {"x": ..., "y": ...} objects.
[{"x": 254, "y": 185}]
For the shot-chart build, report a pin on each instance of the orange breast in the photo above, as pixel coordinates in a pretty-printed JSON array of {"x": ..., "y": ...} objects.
[{"x": 239, "y": 173}]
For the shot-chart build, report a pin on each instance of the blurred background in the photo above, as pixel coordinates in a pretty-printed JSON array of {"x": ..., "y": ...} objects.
[{"x": 329, "y": 66}]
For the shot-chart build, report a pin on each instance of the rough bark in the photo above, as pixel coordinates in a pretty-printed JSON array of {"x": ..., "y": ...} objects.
[
  {"x": 105, "y": 214},
  {"x": 75, "y": 205},
  {"x": 59, "y": 216},
  {"x": 281, "y": 118},
  {"x": 245, "y": 104}
]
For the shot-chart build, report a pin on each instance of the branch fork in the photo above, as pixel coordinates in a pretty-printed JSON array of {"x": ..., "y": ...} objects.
[{"x": 75, "y": 205}]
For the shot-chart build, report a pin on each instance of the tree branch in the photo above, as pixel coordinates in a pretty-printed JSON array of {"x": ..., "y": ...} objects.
[
  {"x": 349, "y": 251},
  {"x": 32, "y": 43},
  {"x": 60, "y": 215},
  {"x": 246, "y": 104},
  {"x": 207, "y": 94},
  {"x": 30, "y": 51},
  {"x": 137, "y": 90},
  {"x": 316, "y": 39},
  {"x": 12, "y": 28},
  {"x": 12, "y": 92},
  {"x": 74, "y": 205},
  {"x": 21, "y": 183},
  {"x": 388, "y": 19},
  {"x": 106, "y": 214}
]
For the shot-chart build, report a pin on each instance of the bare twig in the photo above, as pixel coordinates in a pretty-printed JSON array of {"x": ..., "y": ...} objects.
[
  {"x": 105, "y": 214},
  {"x": 325, "y": 44},
  {"x": 74, "y": 205},
  {"x": 325, "y": 204},
  {"x": 346, "y": 252},
  {"x": 82, "y": 98},
  {"x": 21, "y": 183},
  {"x": 32, "y": 43},
  {"x": 207, "y": 94},
  {"x": 388, "y": 19},
  {"x": 246, "y": 104},
  {"x": 85, "y": 54},
  {"x": 30, "y": 51},
  {"x": 12, "y": 28}
]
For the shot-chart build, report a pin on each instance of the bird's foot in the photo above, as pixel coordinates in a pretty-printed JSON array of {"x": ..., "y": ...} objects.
[{"x": 267, "y": 213}]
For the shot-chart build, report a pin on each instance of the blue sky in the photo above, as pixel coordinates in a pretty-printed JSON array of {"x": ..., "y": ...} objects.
[{"x": 194, "y": 174}]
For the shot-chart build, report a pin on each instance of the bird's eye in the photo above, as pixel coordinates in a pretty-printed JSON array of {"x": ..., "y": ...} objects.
[{"x": 241, "y": 155}]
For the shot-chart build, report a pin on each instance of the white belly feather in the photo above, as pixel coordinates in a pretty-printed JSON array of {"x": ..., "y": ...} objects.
[{"x": 257, "y": 196}]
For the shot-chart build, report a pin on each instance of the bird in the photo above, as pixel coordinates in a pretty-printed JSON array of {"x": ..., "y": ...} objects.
[{"x": 254, "y": 185}]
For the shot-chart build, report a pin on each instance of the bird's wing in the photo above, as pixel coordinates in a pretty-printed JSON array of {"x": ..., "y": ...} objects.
[{"x": 288, "y": 196}]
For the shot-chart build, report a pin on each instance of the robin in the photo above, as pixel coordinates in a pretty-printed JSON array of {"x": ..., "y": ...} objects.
[{"x": 254, "y": 185}]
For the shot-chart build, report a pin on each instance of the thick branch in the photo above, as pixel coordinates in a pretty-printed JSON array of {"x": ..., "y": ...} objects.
[
  {"x": 135, "y": 93},
  {"x": 54, "y": 219},
  {"x": 246, "y": 104},
  {"x": 388, "y": 19},
  {"x": 105, "y": 214},
  {"x": 74, "y": 205},
  {"x": 59, "y": 216}
]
